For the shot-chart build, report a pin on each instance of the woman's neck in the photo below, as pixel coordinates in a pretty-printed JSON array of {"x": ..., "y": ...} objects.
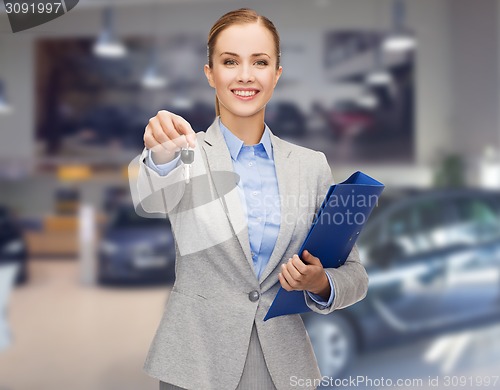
[{"x": 248, "y": 129}]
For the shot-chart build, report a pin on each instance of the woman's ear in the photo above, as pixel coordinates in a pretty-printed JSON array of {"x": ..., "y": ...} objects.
[
  {"x": 278, "y": 75},
  {"x": 209, "y": 74}
]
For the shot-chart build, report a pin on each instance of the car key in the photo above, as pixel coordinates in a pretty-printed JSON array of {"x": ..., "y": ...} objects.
[{"x": 187, "y": 157}]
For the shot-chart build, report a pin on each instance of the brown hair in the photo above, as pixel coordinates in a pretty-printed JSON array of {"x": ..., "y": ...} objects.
[{"x": 239, "y": 16}]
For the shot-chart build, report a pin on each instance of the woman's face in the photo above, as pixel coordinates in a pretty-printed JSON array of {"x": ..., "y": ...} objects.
[{"x": 244, "y": 70}]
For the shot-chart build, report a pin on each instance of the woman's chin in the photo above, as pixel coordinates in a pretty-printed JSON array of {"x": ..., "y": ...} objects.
[{"x": 245, "y": 112}]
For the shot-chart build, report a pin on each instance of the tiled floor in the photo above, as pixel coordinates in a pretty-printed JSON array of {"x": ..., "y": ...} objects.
[{"x": 68, "y": 336}]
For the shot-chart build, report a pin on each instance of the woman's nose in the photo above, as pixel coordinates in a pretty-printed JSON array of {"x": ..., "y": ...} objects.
[{"x": 245, "y": 74}]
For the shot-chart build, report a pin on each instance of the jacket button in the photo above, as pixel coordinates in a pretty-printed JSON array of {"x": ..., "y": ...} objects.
[{"x": 253, "y": 295}]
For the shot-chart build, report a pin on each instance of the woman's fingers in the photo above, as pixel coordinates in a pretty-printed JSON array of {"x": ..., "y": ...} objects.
[
  {"x": 284, "y": 283},
  {"x": 293, "y": 269},
  {"x": 295, "y": 275},
  {"x": 166, "y": 125},
  {"x": 167, "y": 133},
  {"x": 177, "y": 129},
  {"x": 150, "y": 141},
  {"x": 170, "y": 131},
  {"x": 163, "y": 151},
  {"x": 299, "y": 264},
  {"x": 157, "y": 130},
  {"x": 288, "y": 277},
  {"x": 183, "y": 127}
]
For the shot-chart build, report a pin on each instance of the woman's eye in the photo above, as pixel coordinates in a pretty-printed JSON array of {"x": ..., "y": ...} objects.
[
  {"x": 229, "y": 62},
  {"x": 261, "y": 63}
]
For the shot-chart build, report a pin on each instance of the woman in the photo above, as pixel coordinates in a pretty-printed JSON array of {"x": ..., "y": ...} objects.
[{"x": 238, "y": 224}]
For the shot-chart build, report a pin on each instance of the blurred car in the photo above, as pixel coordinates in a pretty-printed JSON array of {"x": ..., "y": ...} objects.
[
  {"x": 13, "y": 248},
  {"x": 136, "y": 250},
  {"x": 348, "y": 118},
  {"x": 115, "y": 195},
  {"x": 433, "y": 260},
  {"x": 67, "y": 200},
  {"x": 285, "y": 120}
]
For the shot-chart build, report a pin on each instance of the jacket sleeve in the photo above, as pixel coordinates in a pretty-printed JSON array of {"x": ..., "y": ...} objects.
[
  {"x": 162, "y": 169},
  {"x": 154, "y": 195},
  {"x": 350, "y": 281}
]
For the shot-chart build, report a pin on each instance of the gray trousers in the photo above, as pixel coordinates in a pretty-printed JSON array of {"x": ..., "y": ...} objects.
[{"x": 255, "y": 373}]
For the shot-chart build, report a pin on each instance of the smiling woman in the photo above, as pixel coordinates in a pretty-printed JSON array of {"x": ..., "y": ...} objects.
[
  {"x": 250, "y": 43},
  {"x": 235, "y": 251},
  {"x": 244, "y": 71}
]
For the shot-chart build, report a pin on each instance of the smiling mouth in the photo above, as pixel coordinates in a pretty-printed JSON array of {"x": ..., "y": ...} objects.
[{"x": 246, "y": 93}]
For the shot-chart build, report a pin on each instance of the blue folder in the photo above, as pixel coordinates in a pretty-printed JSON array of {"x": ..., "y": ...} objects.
[{"x": 332, "y": 235}]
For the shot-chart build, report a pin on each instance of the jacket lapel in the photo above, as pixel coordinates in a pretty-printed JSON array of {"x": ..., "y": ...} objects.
[
  {"x": 219, "y": 160},
  {"x": 288, "y": 175}
]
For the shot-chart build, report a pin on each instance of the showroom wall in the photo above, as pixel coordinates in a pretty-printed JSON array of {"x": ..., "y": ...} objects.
[
  {"x": 16, "y": 69},
  {"x": 475, "y": 83}
]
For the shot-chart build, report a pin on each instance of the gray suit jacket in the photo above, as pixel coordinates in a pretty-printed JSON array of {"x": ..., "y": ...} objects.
[{"x": 203, "y": 337}]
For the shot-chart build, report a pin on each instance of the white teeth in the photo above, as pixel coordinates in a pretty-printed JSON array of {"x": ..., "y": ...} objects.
[{"x": 244, "y": 93}]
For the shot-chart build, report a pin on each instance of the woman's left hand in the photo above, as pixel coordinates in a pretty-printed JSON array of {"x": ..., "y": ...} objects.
[{"x": 305, "y": 275}]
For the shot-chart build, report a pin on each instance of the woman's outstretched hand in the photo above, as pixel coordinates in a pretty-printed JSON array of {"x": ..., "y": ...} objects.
[
  {"x": 165, "y": 134},
  {"x": 307, "y": 274}
]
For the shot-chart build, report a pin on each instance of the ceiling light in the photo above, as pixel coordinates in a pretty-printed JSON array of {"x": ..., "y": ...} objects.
[
  {"x": 379, "y": 77},
  {"x": 107, "y": 45},
  {"x": 400, "y": 42},
  {"x": 400, "y": 39},
  {"x": 367, "y": 100},
  {"x": 152, "y": 78}
]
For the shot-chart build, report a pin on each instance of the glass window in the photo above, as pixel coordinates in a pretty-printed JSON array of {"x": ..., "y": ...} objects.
[
  {"x": 394, "y": 241},
  {"x": 432, "y": 214},
  {"x": 434, "y": 226},
  {"x": 478, "y": 219},
  {"x": 401, "y": 223}
]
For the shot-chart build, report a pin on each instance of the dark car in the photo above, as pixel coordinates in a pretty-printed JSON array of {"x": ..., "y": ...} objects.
[
  {"x": 285, "y": 120},
  {"x": 433, "y": 260},
  {"x": 200, "y": 115},
  {"x": 136, "y": 250},
  {"x": 13, "y": 248}
]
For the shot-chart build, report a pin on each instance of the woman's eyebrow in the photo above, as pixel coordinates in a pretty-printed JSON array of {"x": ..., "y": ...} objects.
[{"x": 253, "y": 55}]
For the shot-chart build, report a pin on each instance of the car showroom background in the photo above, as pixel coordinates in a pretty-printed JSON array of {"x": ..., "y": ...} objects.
[{"x": 405, "y": 91}]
